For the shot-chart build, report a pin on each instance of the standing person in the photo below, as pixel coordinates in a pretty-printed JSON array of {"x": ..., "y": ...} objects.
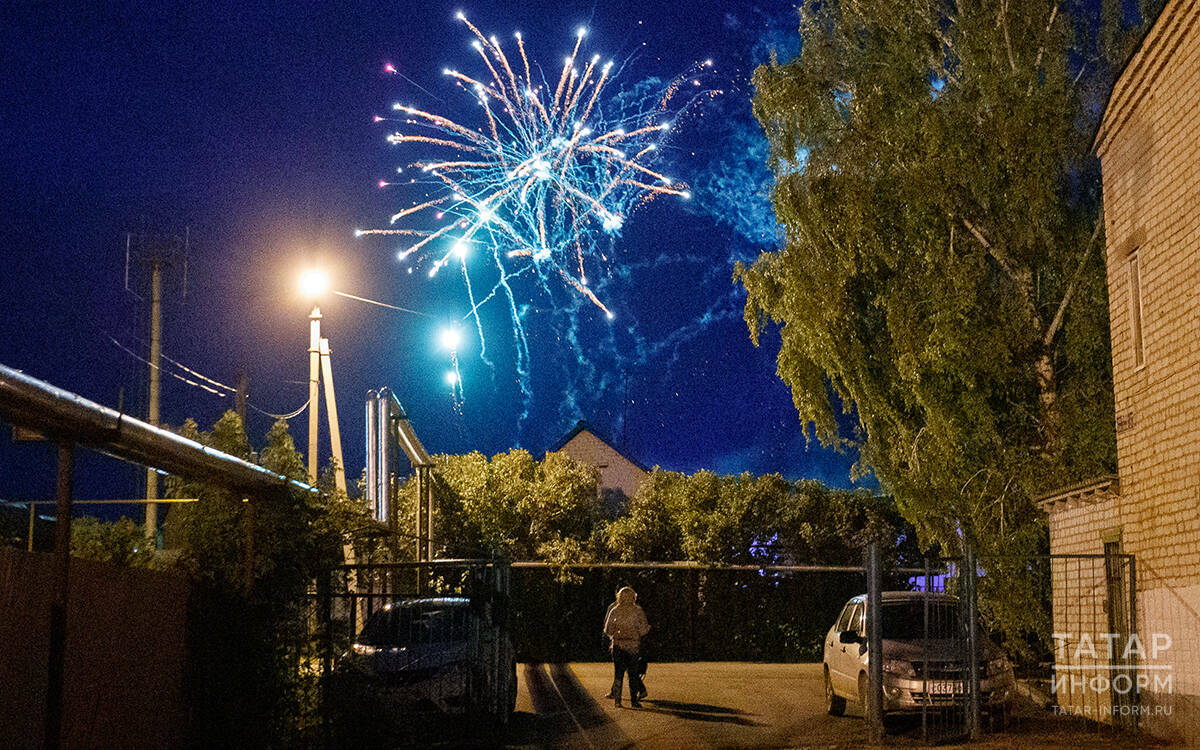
[{"x": 625, "y": 624}]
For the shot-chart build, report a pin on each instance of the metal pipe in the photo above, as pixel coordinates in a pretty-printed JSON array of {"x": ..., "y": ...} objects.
[
  {"x": 384, "y": 460},
  {"x": 372, "y": 417},
  {"x": 62, "y": 415}
]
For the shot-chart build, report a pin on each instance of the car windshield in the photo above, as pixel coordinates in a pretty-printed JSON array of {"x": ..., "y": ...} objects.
[
  {"x": 905, "y": 620},
  {"x": 410, "y": 625}
]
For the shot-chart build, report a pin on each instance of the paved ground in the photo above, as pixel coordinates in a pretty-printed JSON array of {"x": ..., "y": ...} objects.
[{"x": 728, "y": 705}]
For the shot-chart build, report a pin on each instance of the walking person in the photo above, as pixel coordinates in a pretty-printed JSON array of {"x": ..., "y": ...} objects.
[{"x": 625, "y": 625}]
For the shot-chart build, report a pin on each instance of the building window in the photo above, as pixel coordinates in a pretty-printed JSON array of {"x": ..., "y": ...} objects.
[{"x": 1135, "y": 310}]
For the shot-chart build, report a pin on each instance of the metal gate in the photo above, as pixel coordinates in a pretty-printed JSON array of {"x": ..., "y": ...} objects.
[
  {"x": 973, "y": 638},
  {"x": 414, "y": 652}
]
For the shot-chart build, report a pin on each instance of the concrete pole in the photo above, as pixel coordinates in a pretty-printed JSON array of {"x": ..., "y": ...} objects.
[
  {"x": 335, "y": 432},
  {"x": 314, "y": 395},
  {"x": 152, "y": 415}
]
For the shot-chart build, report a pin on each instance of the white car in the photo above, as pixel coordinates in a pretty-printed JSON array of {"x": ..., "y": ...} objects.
[{"x": 916, "y": 672}]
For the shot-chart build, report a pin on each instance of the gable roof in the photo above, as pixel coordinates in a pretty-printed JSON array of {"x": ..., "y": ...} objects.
[
  {"x": 582, "y": 426},
  {"x": 1088, "y": 492}
]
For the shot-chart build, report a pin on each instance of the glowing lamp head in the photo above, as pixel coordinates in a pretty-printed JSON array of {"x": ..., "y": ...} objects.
[
  {"x": 314, "y": 282},
  {"x": 450, "y": 338}
]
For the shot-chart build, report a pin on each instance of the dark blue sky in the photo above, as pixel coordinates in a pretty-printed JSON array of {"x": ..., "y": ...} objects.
[{"x": 250, "y": 125}]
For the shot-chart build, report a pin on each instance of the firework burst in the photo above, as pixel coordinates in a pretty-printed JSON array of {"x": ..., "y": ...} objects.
[{"x": 550, "y": 172}]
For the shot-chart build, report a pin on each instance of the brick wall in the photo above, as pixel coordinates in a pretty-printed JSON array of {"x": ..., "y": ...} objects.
[{"x": 1149, "y": 146}]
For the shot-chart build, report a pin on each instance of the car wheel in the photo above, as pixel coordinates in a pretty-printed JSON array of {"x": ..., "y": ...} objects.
[
  {"x": 864, "y": 698},
  {"x": 835, "y": 705}
]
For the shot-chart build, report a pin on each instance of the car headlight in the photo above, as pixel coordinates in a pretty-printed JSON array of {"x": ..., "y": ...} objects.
[
  {"x": 363, "y": 649},
  {"x": 899, "y": 667}
]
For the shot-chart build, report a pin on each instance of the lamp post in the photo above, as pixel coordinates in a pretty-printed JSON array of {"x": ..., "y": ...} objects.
[{"x": 313, "y": 283}]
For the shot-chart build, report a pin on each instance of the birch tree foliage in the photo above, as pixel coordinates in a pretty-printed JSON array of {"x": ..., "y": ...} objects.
[{"x": 942, "y": 271}]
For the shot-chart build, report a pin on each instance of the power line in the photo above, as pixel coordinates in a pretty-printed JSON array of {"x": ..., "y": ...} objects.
[{"x": 225, "y": 391}]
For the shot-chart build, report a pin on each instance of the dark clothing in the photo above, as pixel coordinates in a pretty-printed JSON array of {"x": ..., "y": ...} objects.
[{"x": 624, "y": 661}]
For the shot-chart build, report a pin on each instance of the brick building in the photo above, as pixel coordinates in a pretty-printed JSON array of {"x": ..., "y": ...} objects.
[
  {"x": 620, "y": 476},
  {"x": 1149, "y": 149}
]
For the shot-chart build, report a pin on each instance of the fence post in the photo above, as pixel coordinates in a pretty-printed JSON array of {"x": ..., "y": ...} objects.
[
  {"x": 970, "y": 581},
  {"x": 325, "y": 615},
  {"x": 56, "y": 659},
  {"x": 1136, "y": 693},
  {"x": 692, "y": 593},
  {"x": 926, "y": 590},
  {"x": 874, "y": 707}
]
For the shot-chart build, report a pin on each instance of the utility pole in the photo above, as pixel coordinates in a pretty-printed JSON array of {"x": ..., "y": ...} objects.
[
  {"x": 335, "y": 433},
  {"x": 152, "y": 414},
  {"x": 242, "y": 393},
  {"x": 158, "y": 252}
]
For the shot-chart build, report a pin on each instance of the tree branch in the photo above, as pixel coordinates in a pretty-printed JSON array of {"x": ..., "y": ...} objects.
[
  {"x": 1021, "y": 279},
  {"x": 1055, "y": 324},
  {"x": 1002, "y": 22},
  {"x": 1041, "y": 50}
]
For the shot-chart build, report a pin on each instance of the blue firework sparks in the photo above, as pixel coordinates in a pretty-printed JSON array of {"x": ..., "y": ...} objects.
[{"x": 544, "y": 180}]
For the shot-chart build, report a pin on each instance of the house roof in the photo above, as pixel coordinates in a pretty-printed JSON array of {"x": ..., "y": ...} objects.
[
  {"x": 582, "y": 426},
  {"x": 1083, "y": 493},
  {"x": 1145, "y": 65}
]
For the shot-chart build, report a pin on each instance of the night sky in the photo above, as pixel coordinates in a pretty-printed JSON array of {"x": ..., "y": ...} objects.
[{"x": 250, "y": 126}]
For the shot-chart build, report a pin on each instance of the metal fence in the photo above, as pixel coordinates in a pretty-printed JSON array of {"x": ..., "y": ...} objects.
[
  {"x": 696, "y": 612},
  {"x": 967, "y": 645}
]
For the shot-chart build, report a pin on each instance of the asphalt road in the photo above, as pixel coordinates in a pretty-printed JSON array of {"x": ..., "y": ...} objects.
[
  {"x": 734, "y": 705},
  {"x": 697, "y": 705}
]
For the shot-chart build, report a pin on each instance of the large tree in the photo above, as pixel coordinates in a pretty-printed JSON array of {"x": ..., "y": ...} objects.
[{"x": 941, "y": 276}]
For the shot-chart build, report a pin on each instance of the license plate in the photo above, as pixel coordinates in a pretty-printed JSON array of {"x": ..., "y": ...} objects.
[{"x": 945, "y": 688}]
